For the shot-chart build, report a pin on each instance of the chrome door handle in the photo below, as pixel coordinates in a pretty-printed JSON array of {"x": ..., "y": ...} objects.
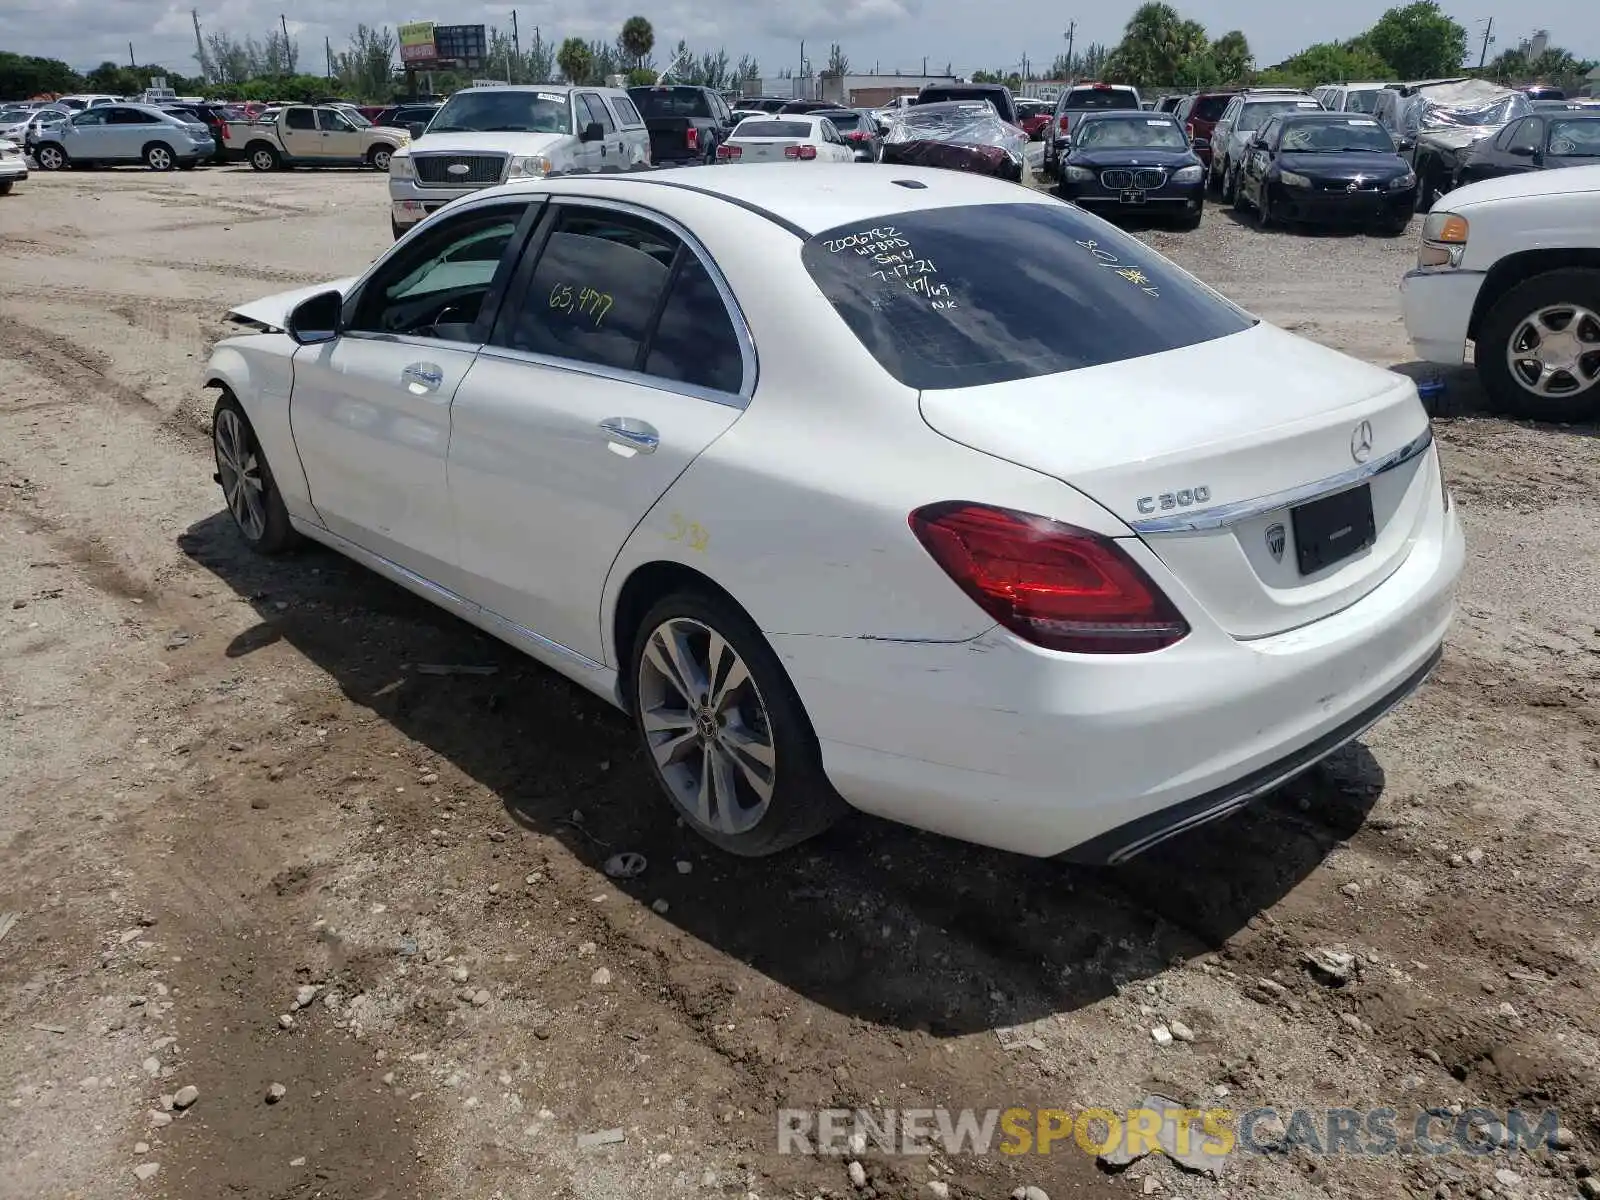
[
  {"x": 422, "y": 375},
  {"x": 641, "y": 435}
]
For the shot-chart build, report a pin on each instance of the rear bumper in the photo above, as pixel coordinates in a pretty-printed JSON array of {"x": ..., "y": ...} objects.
[
  {"x": 997, "y": 742},
  {"x": 1438, "y": 312}
]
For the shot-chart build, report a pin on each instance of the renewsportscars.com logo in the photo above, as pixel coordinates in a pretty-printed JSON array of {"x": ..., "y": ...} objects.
[{"x": 1201, "y": 1136}]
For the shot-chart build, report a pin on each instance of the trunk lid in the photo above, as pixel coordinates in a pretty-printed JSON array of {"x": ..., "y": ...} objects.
[
  {"x": 1207, "y": 451},
  {"x": 762, "y": 149}
]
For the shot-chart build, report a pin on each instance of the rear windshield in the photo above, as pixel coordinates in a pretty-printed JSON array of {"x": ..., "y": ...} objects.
[
  {"x": 1255, "y": 113},
  {"x": 1209, "y": 108},
  {"x": 1107, "y": 133},
  {"x": 774, "y": 129},
  {"x": 671, "y": 101},
  {"x": 482, "y": 110},
  {"x": 1100, "y": 98},
  {"x": 969, "y": 295},
  {"x": 940, "y": 95},
  {"x": 1362, "y": 102},
  {"x": 844, "y": 122}
]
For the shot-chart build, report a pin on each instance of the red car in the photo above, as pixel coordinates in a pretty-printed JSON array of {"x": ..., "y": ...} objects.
[
  {"x": 1198, "y": 115},
  {"x": 1033, "y": 116}
]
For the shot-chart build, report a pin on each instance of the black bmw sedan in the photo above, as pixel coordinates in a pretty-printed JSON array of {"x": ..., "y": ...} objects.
[
  {"x": 1327, "y": 168},
  {"x": 1129, "y": 161}
]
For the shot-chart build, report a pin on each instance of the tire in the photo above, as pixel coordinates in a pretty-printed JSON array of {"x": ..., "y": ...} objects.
[
  {"x": 1264, "y": 218},
  {"x": 1230, "y": 183},
  {"x": 378, "y": 158},
  {"x": 394, "y": 228},
  {"x": 1424, "y": 189},
  {"x": 1395, "y": 227},
  {"x": 5, "y": 186},
  {"x": 158, "y": 156},
  {"x": 1190, "y": 224},
  {"x": 1237, "y": 200},
  {"x": 1213, "y": 179},
  {"x": 264, "y": 521},
  {"x": 263, "y": 157},
  {"x": 798, "y": 803},
  {"x": 1554, "y": 295},
  {"x": 187, "y": 166},
  {"x": 51, "y": 157}
]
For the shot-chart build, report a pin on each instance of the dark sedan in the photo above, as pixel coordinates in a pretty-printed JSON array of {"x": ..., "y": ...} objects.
[
  {"x": 1538, "y": 143},
  {"x": 1132, "y": 161},
  {"x": 1326, "y": 168}
]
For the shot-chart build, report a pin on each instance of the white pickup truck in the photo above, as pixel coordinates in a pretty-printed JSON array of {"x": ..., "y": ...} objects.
[{"x": 1513, "y": 266}]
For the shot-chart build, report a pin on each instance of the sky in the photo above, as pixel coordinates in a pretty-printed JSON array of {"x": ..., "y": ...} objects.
[{"x": 891, "y": 34}]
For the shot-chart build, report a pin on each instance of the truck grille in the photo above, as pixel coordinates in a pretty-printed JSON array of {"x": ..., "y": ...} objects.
[{"x": 480, "y": 169}]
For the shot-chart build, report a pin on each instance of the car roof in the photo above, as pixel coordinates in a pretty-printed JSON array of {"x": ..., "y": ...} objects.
[
  {"x": 836, "y": 193},
  {"x": 1310, "y": 117}
]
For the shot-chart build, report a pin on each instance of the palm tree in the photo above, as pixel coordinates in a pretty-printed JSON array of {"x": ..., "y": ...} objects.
[
  {"x": 1231, "y": 53},
  {"x": 637, "y": 39},
  {"x": 573, "y": 59}
]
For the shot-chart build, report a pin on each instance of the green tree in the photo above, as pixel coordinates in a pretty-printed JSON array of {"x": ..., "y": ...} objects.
[
  {"x": 25, "y": 75},
  {"x": 642, "y": 77},
  {"x": 573, "y": 59},
  {"x": 1332, "y": 62},
  {"x": 365, "y": 70},
  {"x": 748, "y": 69},
  {"x": 1419, "y": 41},
  {"x": 1231, "y": 54},
  {"x": 1515, "y": 64},
  {"x": 538, "y": 63},
  {"x": 838, "y": 61},
  {"x": 1155, "y": 44},
  {"x": 638, "y": 39}
]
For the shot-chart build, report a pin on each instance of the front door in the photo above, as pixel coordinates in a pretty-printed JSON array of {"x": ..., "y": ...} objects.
[
  {"x": 370, "y": 410},
  {"x": 340, "y": 139},
  {"x": 607, "y": 152},
  {"x": 91, "y": 137},
  {"x": 609, "y": 371}
]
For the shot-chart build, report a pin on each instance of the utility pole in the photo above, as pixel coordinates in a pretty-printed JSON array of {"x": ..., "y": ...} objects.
[
  {"x": 1072, "y": 28},
  {"x": 1483, "y": 55},
  {"x": 327, "y": 49},
  {"x": 924, "y": 66},
  {"x": 802, "y": 75},
  {"x": 200, "y": 46},
  {"x": 516, "y": 45},
  {"x": 132, "y": 62}
]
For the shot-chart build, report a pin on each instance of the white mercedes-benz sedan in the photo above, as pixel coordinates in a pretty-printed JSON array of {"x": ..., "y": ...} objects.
[{"x": 902, "y": 489}]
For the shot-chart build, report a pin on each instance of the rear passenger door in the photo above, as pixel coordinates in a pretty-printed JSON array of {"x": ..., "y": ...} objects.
[
  {"x": 617, "y": 359},
  {"x": 127, "y": 132},
  {"x": 299, "y": 133},
  {"x": 635, "y": 136}
]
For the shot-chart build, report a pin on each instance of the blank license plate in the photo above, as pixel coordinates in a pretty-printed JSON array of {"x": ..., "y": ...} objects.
[{"x": 1330, "y": 530}]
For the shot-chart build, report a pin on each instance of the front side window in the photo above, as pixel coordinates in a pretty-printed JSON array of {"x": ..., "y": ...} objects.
[
  {"x": 595, "y": 288},
  {"x": 1529, "y": 134},
  {"x": 596, "y": 112},
  {"x": 301, "y": 118},
  {"x": 968, "y": 295},
  {"x": 332, "y": 121},
  {"x": 436, "y": 286},
  {"x": 90, "y": 118}
]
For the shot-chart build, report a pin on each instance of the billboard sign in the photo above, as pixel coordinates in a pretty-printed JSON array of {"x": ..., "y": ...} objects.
[
  {"x": 462, "y": 45},
  {"x": 416, "y": 42}
]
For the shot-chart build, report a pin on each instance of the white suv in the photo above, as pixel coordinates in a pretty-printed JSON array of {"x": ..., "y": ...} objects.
[
  {"x": 488, "y": 135},
  {"x": 1246, "y": 113},
  {"x": 1513, "y": 265}
]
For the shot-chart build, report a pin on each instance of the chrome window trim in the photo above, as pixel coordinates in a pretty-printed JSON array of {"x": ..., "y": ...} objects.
[
  {"x": 1222, "y": 515},
  {"x": 750, "y": 365}
]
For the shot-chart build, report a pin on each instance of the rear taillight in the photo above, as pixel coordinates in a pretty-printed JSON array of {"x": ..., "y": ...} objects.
[
  {"x": 725, "y": 152},
  {"x": 858, "y": 136},
  {"x": 1062, "y": 124},
  {"x": 1051, "y": 584},
  {"x": 692, "y": 138},
  {"x": 806, "y": 152},
  {"x": 1188, "y": 130}
]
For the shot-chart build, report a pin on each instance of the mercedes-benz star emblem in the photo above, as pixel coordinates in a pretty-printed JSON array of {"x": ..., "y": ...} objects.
[
  {"x": 1361, "y": 441},
  {"x": 1275, "y": 540}
]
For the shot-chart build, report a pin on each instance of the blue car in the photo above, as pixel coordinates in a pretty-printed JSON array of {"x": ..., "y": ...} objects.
[{"x": 1128, "y": 161}]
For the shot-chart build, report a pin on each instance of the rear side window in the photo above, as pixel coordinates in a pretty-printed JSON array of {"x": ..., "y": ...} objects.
[
  {"x": 626, "y": 112},
  {"x": 595, "y": 289},
  {"x": 1080, "y": 98},
  {"x": 695, "y": 341},
  {"x": 301, "y": 118},
  {"x": 1209, "y": 108},
  {"x": 773, "y": 129},
  {"x": 964, "y": 296}
]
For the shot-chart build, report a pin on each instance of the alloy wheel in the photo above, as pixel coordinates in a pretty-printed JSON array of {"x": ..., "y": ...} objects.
[
  {"x": 1555, "y": 351},
  {"x": 239, "y": 471},
  {"x": 706, "y": 725},
  {"x": 261, "y": 160},
  {"x": 380, "y": 160},
  {"x": 159, "y": 158},
  {"x": 51, "y": 159}
]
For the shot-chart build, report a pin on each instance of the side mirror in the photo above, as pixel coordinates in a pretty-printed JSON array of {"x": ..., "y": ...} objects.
[
  {"x": 416, "y": 129},
  {"x": 316, "y": 320},
  {"x": 1521, "y": 151},
  {"x": 592, "y": 132}
]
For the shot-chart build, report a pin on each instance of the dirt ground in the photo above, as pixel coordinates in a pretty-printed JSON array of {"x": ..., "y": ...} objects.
[{"x": 223, "y": 780}]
